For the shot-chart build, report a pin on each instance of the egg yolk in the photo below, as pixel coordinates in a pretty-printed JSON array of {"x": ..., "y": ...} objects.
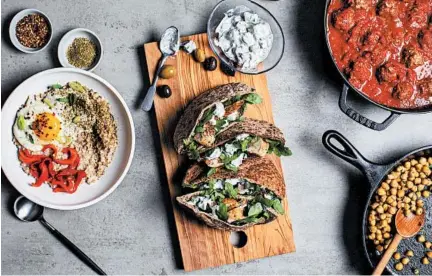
[{"x": 46, "y": 126}]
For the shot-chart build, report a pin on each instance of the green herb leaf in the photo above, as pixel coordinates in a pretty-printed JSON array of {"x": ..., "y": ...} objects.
[
  {"x": 284, "y": 151},
  {"x": 31, "y": 139},
  {"x": 211, "y": 172},
  {"x": 72, "y": 98},
  {"x": 21, "y": 122},
  {"x": 231, "y": 167},
  {"x": 244, "y": 144},
  {"x": 56, "y": 86},
  {"x": 265, "y": 201},
  {"x": 76, "y": 86},
  {"x": 223, "y": 211},
  {"x": 207, "y": 116},
  {"x": 63, "y": 100},
  {"x": 199, "y": 129},
  {"x": 277, "y": 205},
  {"x": 253, "y": 98},
  {"x": 229, "y": 190},
  {"x": 266, "y": 215},
  {"x": 255, "y": 209}
]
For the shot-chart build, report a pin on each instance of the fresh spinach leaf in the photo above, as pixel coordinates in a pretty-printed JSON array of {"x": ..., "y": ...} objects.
[
  {"x": 277, "y": 205},
  {"x": 231, "y": 167},
  {"x": 253, "y": 98},
  {"x": 199, "y": 129},
  {"x": 229, "y": 190},
  {"x": 222, "y": 212},
  {"x": 56, "y": 86},
  {"x": 255, "y": 209},
  {"x": 267, "y": 202}
]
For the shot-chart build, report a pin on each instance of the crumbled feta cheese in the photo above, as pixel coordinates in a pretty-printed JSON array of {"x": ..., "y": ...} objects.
[
  {"x": 241, "y": 137},
  {"x": 216, "y": 153},
  {"x": 212, "y": 121},
  {"x": 219, "y": 110},
  {"x": 233, "y": 181},
  {"x": 233, "y": 116},
  {"x": 239, "y": 160},
  {"x": 203, "y": 202},
  {"x": 244, "y": 37},
  {"x": 230, "y": 149},
  {"x": 268, "y": 196},
  {"x": 218, "y": 184},
  {"x": 188, "y": 46}
]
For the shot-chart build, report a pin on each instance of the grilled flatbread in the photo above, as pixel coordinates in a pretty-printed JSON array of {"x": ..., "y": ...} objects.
[
  {"x": 210, "y": 113},
  {"x": 234, "y": 201}
]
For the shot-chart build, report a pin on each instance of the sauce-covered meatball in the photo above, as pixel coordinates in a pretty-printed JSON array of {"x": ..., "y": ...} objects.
[
  {"x": 412, "y": 57},
  {"x": 343, "y": 19},
  {"x": 403, "y": 91},
  {"x": 390, "y": 72},
  {"x": 360, "y": 73},
  {"x": 425, "y": 87},
  {"x": 425, "y": 40}
]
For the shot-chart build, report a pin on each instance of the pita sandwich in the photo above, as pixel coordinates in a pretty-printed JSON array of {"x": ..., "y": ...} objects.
[
  {"x": 235, "y": 201},
  {"x": 209, "y": 114}
]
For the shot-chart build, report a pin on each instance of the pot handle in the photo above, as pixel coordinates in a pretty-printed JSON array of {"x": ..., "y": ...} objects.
[
  {"x": 360, "y": 118},
  {"x": 374, "y": 172}
]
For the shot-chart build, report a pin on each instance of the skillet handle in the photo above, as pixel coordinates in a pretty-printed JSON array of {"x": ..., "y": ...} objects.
[
  {"x": 374, "y": 172},
  {"x": 353, "y": 114}
]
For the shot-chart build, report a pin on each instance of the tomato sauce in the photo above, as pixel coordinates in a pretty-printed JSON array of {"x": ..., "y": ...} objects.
[{"x": 384, "y": 47}]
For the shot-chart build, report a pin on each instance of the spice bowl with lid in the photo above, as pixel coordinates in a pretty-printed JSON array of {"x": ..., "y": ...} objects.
[
  {"x": 245, "y": 36},
  {"x": 30, "y": 31},
  {"x": 80, "y": 48}
]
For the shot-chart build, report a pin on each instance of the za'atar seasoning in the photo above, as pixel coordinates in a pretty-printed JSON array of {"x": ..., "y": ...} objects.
[{"x": 82, "y": 52}]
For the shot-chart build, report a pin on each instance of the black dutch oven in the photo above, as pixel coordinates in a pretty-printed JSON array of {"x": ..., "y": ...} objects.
[
  {"x": 375, "y": 174},
  {"x": 353, "y": 114}
]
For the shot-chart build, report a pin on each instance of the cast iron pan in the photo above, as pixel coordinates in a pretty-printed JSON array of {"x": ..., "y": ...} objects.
[
  {"x": 375, "y": 174},
  {"x": 353, "y": 114}
]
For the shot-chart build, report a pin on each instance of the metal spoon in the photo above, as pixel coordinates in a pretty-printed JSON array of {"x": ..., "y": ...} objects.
[
  {"x": 29, "y": 211},
  {"x": 169, "y": 46},
  {"x": 406, "y": 227}
]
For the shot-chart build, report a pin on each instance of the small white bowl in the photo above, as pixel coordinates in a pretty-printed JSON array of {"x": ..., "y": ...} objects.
[
  {"x": 67, "y": 40},
  {"x": 12, "y": 31}
]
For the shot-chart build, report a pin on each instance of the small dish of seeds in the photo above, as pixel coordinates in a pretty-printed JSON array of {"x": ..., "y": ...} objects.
[
  {"x": 30, "y": 31},
  {"x": 80, "y": 48}
]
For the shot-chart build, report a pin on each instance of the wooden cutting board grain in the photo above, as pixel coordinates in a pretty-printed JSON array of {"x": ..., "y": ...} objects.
[{"x": 203, "y": 247}]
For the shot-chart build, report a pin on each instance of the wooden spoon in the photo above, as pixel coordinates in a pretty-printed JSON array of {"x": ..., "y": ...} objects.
[{"x": 406, "y": 227}]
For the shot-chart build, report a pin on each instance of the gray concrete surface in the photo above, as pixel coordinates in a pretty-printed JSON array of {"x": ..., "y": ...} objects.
[{"x": 131, "y": 232}]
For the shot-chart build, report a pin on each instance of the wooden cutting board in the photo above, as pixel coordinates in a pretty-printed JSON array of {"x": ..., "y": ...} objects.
[{"x": 201, "y": 246}]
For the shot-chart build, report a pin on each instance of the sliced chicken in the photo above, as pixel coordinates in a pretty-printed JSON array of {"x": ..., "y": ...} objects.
[
  {"x": 232, "y": 203},
  {"x": 214, "y": 163},
  {"x": 207, "y": 137},
  {"x": 258, "y": 146},
  {"x": 236, "y": 214},
  {"x": 235, "y": 107}
]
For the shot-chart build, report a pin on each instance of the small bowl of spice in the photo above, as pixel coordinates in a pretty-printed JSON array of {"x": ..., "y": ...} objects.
[
  {"x": 30, "y": 31},
  {"x": 80, "y": 48}
]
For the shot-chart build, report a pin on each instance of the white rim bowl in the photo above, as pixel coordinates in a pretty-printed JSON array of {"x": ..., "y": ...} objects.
[
  {"x": 67, "y": 40},
  {"x": 12, "y": 31}
]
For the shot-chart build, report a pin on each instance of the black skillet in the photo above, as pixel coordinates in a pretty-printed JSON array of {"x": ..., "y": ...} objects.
[
  {"x": 355, "y": 115},
  {"x": 375, "y": 174}
]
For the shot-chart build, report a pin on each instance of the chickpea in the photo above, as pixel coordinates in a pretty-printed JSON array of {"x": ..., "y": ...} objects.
[
  {"x": 407, "y": 213},
  {"x": 420, "y": 203},
  {"x": 419, "y": 211},
  {"x": 428, "y": 245},
  {"x": 400, "y": 193},
  {"x": 407, "y": 165},
  {"x": 397, "y": 256},
  {"x": 429, "y": 254},
  {"x": 386, "y": 235},
  {"x": 430, "y": 160},
  {"x": 380, "y": 248},
  {"x": 380, "y": 209},
  {"x": 426, "y": 194},
  {"x": 421, "y": 238},
  {"x": 409, "y": 253},
  {"x": 399, "y": 266},
  {"x": 385, "y": 186},
  {"x": 423, "y": 161},
  {"x": 381, "y": 191},
  {"x": 416, "y": 271},
  {"x": 420, "y": 187},
  {"x": 405, "y": 261},
  {"x": 425, "y": 261}
]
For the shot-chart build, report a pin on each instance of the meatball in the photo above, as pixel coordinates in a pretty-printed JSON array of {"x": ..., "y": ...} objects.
[
  {"x": 361, "y": 4},
  {"x": 343, "y": 19},
  {"x": 390, "y": 72},
  {"x": 378, "y": 55},
  {"x": 403, "y": 91},
  {"x": 418, "y": 16},
  {"x": 425, "y": 86},
  {"x": 425, "y": 40},
  {"x": 388, "y": 7},
  {"x": 360, "y": 73},
  {"x": 412, "y": 57}
]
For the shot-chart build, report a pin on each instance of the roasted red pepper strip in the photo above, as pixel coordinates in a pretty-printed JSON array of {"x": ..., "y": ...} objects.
[
  {"x": 48, "y": 162},
  {"x": 44, "y": 175},
  {"x": 34, "y": 169},
  {"x": 52, "y": 147},
  {"x": 27, "y": 158},
  {"x": 73, "y": 154},
  {"x": 67, "y": 172}
]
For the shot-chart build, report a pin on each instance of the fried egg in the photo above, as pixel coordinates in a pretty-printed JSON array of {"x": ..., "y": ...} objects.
[{"x": 38, "y": 124}]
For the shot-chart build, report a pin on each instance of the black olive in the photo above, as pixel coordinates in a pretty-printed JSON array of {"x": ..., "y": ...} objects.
[
  {"x": 210, "y": 64},
  {"x": 227, "y": 69},
  {"x": 164, "y": 91}
]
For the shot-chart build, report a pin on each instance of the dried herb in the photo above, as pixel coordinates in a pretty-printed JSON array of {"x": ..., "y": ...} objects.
[
  {"x": 81, "y": 53},
  {"x": 33, "y": 31}
]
